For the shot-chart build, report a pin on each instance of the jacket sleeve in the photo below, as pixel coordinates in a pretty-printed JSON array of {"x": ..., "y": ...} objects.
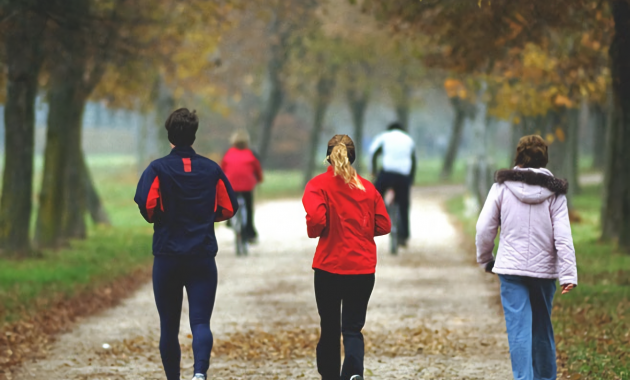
[
  {"x": 225, "y": 203},
  {"x": 316, "y": 210},
  {"x": 382, "y": 223},
  {"x": 487, "y": 226},
  {"x": 148, "y": 195},
  {"x": 563, "y": 241}
]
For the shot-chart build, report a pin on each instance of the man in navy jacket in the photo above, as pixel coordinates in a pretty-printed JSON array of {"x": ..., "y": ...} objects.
[{"x": 183, "y": 194}]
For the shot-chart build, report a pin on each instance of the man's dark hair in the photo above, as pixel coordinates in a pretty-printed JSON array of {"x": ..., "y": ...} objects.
[
  {"x": 395, "y": 125},
  {"x": 182, "y": 126}
]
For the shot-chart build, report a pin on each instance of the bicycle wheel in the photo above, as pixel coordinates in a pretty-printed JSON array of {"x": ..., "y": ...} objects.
[
  {"x": 394, "y": 213},
  {"x": 240, "y": 223}
]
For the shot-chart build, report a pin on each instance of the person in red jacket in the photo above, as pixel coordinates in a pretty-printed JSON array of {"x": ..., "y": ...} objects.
[
  {"x": 345, "y": 211},
  {"x": 243, "y": 170}
]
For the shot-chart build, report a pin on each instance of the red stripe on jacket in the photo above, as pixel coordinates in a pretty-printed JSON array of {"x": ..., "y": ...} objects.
[
  {"x": 222, "y": 204},
  {"x": 187, "y": 165},
  {"x": 346, "y": 221},
  {"x": 153, "y": 197}
]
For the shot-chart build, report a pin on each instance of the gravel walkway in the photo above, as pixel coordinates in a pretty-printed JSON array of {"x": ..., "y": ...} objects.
[{"x": 433, "y": 313}]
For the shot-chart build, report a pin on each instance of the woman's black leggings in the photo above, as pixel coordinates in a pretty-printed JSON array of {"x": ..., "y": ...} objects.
[
  {"x": 198, "y": 274},
  {"x": 331, "y": 292}
]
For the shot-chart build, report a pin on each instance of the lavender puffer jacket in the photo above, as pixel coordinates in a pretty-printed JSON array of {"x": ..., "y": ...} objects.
[{"x": 530, "y": 206}]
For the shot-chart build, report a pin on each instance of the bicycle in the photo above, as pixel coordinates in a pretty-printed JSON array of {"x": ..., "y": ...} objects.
[
  {"x": 239, "y": 223},
  {"x": 393, "y": 209}
]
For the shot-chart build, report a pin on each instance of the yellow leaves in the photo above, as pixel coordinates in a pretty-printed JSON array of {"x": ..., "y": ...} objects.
[
  {"x": 550, "y": 138},
  {"x": 455, "y": 88},
  {"x": 587, "y": 42},
  {"x": 534, "y": 57},
  {"x": 562, "y": 101},
  {"x": 560, "y": 134}
]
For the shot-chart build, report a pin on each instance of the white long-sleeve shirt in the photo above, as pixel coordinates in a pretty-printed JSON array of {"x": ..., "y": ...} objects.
[{"x": 398, "y": 148}]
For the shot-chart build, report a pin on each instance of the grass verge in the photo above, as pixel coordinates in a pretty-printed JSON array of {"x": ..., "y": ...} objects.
[
  {"x": 43, "y": 295},
  {"x": 592, "y": 323}
]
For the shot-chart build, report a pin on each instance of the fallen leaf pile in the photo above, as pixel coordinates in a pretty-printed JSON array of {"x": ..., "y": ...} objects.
[
  {"x": 411, "y": 341},
  {"x": 287, "y": 344},
  {"x": 593, "y": 340},
  {"x": 31, "y": 336}
]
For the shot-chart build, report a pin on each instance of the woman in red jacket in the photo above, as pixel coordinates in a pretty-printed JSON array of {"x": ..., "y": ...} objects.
[
  {"x": 345, "y": 211},
  {"x": 243, "y": 170}
]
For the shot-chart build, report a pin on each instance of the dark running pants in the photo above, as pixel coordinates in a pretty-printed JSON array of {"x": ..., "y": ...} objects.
[
  {"x": 198, "y": 274},
  {"x": 342, "y": 302},
  {"x": 250, "y": 229},
  {"x": 401, "y": 184}
]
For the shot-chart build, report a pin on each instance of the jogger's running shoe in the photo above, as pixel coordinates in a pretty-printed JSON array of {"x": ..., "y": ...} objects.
[
  {"x": 199, "y": 376},
  {"x": 356, "y": 377}
]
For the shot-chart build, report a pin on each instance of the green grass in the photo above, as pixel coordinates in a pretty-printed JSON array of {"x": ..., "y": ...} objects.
[
  {"x": 30, "y": 285},
  {"x": 592, "y": 323},
  {"x": 281, "y": 184},
  {"x": 428, "y": 172}
]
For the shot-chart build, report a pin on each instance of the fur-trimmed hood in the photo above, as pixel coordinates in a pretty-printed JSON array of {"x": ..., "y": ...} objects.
[{"x": 531, "y": 185}]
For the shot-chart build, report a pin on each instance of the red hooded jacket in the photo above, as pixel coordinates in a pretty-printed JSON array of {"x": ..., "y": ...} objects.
[
  {"x": 346, "y": 221},
  {"x": 242, "y": 169}
]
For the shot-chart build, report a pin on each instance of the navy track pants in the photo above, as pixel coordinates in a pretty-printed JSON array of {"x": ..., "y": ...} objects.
[{"x": 171, "y": 274}]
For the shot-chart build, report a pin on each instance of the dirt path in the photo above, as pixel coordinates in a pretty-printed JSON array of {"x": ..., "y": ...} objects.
[{"x": 432, "y": 314}]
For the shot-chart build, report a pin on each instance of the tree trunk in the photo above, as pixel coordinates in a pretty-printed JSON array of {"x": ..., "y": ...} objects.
[
  {"x": 517, "y": 133},
  {"x": 24, "y": 57},
  {"x": 402, "y": 113},
  {"x": 65, "y": 113},
  {"x": 402, "y": 99},
  {"x": 533, "y": 125},
  {"x": 573, "y": 159},
  {"x": 63, "y": 195},
  {"x": 563, "y": 153},
  {"x": 143, "y": 144},
  {"x": 93, "y": 200},
  {"x": 164, "y": 105},
  {"x": 274, "y": 102},
  {"x": 358, "y": 101},
  {"x": 277, "y": 60},
  {"x": 616, "y": 207},
  {"x": 75, "y": 190},
  {"x": 325, "y": 86},
  {"x": 599, "y": 123},
  {"x": 455, "y": 139}
]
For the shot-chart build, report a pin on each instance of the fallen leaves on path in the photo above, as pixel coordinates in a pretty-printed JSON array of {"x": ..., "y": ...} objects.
[
  {"x": 30, "y": 338},
  {"x": 290, "y": 344}
]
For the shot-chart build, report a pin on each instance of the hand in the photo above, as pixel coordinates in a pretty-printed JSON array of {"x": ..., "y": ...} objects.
[
  {"x": 489, "y": 266},
  {"x": 566, "y": 288}
]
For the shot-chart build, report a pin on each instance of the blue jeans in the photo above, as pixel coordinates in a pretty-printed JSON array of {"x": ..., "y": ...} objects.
[
  {"x": 527, "y": 304},
  {"x": 198, "y": 274}
]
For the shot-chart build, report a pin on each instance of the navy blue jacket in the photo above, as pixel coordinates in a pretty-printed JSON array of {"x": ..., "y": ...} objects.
[{"x": 183, "y": 194}]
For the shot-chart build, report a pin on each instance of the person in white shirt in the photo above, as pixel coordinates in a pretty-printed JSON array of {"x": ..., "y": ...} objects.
[{"x": 399, "y": 167}]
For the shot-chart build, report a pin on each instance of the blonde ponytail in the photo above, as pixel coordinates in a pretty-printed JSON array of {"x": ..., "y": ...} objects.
[{"x": 342, "y": 167}]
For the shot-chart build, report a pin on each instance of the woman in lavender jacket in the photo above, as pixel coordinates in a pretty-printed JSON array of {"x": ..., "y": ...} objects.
[{"x": 536, "y": 248}]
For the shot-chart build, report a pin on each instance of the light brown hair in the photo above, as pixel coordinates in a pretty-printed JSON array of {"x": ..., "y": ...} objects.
[
  {"x": 340, "y": 155},
  {"x": 240, "y": 139},
  {"x": 532, "y": 152}
]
